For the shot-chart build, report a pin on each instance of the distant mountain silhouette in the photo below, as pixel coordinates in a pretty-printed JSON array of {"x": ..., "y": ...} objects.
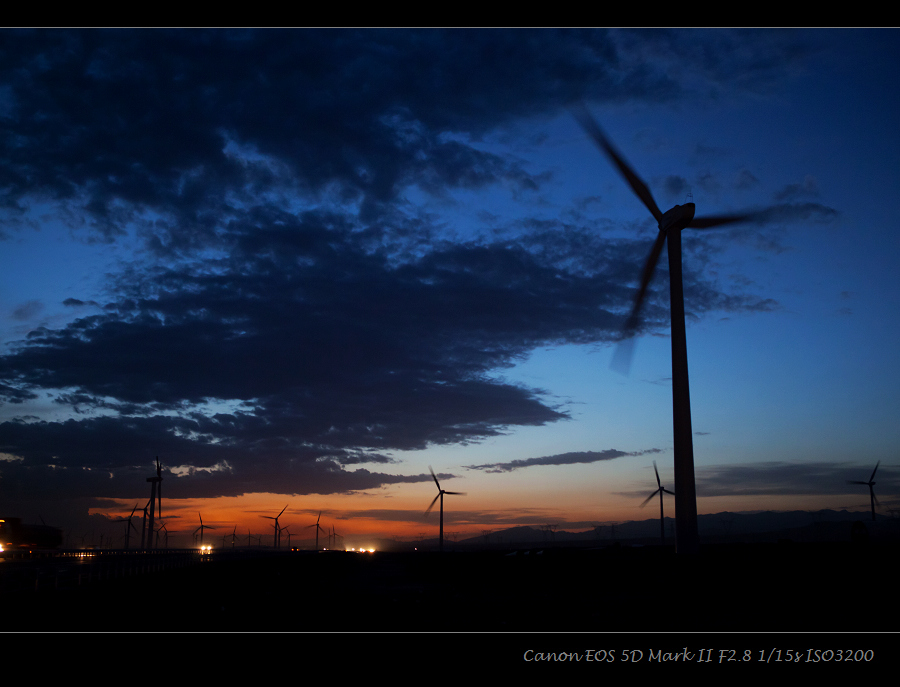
[{"x": 725, "y": 527}]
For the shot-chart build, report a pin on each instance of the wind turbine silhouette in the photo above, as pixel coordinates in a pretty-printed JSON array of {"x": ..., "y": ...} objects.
[
  {"x": 165, "y": 529},
  {"x": 155, "y": 491},
  {"x": 440, "y": 496},
  {"x": 871, "y": 485},
  {"x": 201, "y": 528},
  {"x": 318, "y": 527},
  {"x": 277, "y": 536},
  {"x": 144, "y": 529},
  {"x": 661, "y": 490},
  {"x": 128, "y": 527},
  {"x": 670, "y": 224}
]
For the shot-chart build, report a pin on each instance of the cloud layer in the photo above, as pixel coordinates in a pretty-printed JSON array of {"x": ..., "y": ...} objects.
[{"x": 291, "y": 314}]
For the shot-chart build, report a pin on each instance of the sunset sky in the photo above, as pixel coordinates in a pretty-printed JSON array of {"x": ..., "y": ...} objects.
[{"x": 302, "y": 266}]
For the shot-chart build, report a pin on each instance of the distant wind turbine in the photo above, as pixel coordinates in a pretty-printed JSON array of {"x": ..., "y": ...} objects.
[
  {"x": 130, "y": 526},
  {"x": 162, "y": 526},
  {"x": 440, "y": 496},
  {"x": 201, "y": 528},
  {"x": 318, "y": 527},
  {"x": 661, "y": 490},
  {"x": 871, "y": 485},
  {"x": 277, "y": 536}
]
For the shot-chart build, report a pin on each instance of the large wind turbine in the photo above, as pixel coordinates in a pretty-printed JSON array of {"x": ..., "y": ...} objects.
[
  {"x": 661, "y": 490},
  {"x": 670, "y": 224},
  {"x": 155, "y": 491},
  {"x": 440, "y": 496},
  {"x": 871, "y": 485}
]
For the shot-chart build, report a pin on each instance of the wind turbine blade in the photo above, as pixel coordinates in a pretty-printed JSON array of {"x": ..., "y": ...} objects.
[
  {"x": 873, "y": 471},
  {"x": 284, "y": 509},
  {"x": 622, "y": 357},
  {"x": 456, "y": 493},
  {"x": 432, "y": 504},
  {"x": 435, "y": 477},
  {"x": 649, "y": 498},
  {"x": 853, "y": 481},
  {"x": 658, "y": 483},
  {"x": 672, "y": 493},
  {"x": 637, "y": 185}
]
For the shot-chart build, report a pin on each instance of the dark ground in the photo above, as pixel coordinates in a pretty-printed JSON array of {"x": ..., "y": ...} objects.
[{"x": 747, "y": 588}]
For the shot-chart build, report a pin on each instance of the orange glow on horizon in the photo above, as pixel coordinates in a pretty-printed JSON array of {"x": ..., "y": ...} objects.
[{"x": 362, "y": 518}]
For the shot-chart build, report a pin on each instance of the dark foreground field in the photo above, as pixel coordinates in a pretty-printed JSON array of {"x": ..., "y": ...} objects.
[{"x": 753, "y": 588}]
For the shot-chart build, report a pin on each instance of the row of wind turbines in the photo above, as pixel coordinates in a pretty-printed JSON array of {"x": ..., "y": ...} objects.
[
  {"x": 153, "y": 511},
  {"x": 278, "y": 530},
  {"x": 156, "y": 498}
]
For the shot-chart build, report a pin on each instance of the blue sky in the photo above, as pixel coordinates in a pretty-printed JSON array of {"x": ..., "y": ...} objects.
[{"x": 303, "y": 266}]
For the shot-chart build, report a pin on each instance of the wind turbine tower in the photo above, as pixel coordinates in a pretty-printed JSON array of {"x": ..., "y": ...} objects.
[
  {"x": 670, "y": 223},
  {"x": 440, "y": 496},
  {"x": 871, "y": 485},
  {"x": 318, "y": 527},
  {"x": 155, "y": 491},
  {"x": 276, "y": 538},
  {"x": 661, "y": 490}
]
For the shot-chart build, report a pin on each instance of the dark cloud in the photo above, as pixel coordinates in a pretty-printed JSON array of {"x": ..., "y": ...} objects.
[
  {"x": 790, "y": 479},
  {"x": 809, "y": 188},
  {"x": 189, "y": 123},
  {"x": 173, "y": 129},
  {"x": 27, "y": 310},
  {"x": 560, "y": 459},
  {"x": 299, "y": 316},
  {"x": 310, "y": 347},
  {"x": 77, "y": 303}
]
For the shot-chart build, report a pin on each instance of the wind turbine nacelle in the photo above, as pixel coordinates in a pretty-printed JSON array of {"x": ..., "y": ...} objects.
[{"x": 677, "y": 218}]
